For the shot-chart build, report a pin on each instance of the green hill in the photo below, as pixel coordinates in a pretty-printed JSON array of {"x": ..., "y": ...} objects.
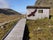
[
  {"x": 7, "y": 11},
  {"x": 9, "y": 14}
]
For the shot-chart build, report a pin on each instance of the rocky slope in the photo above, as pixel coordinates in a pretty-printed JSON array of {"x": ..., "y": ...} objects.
[{"x": 45, "y": 3}]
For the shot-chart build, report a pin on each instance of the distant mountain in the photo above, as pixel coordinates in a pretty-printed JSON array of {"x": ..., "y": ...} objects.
[
  {"x": 45, "y": 3},
  {"x": 7, "y": 11}
]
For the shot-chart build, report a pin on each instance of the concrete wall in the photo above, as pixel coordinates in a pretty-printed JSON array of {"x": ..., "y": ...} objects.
[{"x": 38, "y": 15}]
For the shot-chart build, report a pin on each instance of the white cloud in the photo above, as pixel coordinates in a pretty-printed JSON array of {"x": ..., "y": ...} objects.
[{"x": 3, "y": 4}]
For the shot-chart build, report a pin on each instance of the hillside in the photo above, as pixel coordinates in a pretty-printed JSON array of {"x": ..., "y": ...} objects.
[
  {"x": 7, "y": 11},
  {"x": 9, "y": 14},
  {"x": 41, "y": 29},
  {"x": 45, "y": 3}
]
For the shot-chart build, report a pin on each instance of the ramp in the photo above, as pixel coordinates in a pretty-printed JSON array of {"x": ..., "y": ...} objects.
[{"x": 18, "y": 31}]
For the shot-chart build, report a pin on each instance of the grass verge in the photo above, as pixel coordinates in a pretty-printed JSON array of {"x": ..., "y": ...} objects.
[
  {"x": 8, "y": 26},
  {"x": 41, "y": 29}
]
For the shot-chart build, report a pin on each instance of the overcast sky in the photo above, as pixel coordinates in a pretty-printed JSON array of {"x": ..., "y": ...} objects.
[{"x": 17, "y": 5}]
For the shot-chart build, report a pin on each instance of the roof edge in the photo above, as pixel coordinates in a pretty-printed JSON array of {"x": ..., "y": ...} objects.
[{"x": 36, "y": 7}]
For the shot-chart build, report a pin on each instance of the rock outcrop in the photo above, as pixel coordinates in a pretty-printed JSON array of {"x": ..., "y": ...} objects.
[{"x": 45, "y": 3}]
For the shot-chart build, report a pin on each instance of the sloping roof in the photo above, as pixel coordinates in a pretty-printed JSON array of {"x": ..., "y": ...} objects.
[{"x": 36, "y": 7}]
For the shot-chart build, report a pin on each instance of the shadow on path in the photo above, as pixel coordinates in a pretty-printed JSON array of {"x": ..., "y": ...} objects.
[{"x": 26, "y": 33}]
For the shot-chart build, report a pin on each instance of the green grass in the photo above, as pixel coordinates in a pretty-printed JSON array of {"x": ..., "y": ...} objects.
[
  {"x": 8, "y": 26},
  {"x": 40, "y": 30}
]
